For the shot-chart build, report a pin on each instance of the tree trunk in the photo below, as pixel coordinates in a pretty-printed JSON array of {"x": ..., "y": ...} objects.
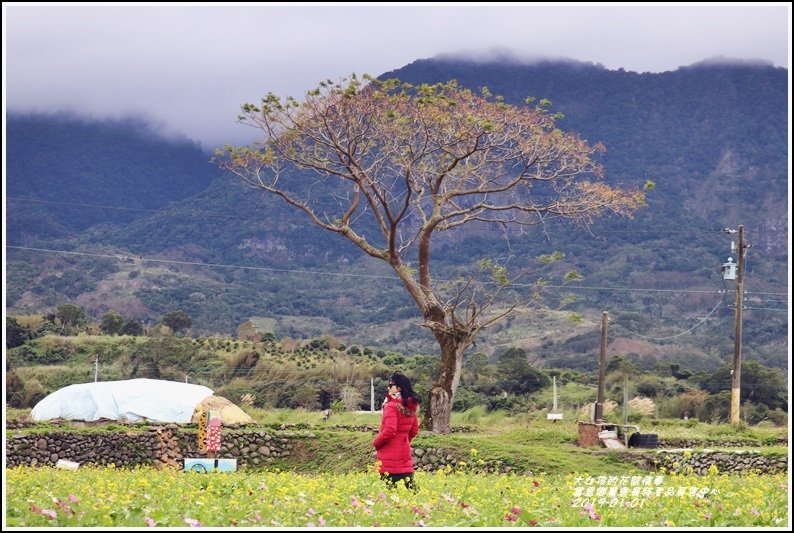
[{"x": 438, "y": 410}]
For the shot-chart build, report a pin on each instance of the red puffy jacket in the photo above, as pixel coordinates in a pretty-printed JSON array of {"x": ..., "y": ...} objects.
[{"x": 398, "y": 427}]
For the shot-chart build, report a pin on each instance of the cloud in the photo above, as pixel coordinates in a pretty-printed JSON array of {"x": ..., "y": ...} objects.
[{"x": 191, "y": 67}]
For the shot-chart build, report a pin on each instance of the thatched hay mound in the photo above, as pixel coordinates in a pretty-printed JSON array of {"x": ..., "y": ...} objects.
[{"x": 230, "y": 413}]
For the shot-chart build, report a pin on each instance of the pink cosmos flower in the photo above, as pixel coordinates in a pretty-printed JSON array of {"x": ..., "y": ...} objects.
[
  {"x": 192, "y": 522},
  {"x": 515, "y": 510},
  {"x": 50, "y": 513},
  {"x": 591, "y": 511},
  {"x": 73, "y": 498},
  {"x": 150, "y": 521}
]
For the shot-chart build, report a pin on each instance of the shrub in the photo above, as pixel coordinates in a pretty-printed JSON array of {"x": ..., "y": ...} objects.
[
  {"x": 34, "y": 393},
  {"x": 510, "y": 403},
  {"x": 716, "y": 408},
  {"x": 466, "y": 399},
  {"x": 351, "y": 398},
  {"x": 687, "y": 404},
  {"x": 642, "y": 407}
]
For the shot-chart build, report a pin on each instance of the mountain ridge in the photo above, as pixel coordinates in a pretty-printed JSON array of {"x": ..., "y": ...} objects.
[{"x": 713, "y": 139}]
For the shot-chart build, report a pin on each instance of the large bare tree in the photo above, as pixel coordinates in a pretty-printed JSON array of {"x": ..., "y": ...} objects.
[{"x": 390, "y": 166}]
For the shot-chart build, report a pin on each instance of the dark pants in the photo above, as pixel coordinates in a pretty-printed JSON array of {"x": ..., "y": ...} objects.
[{"x": 392, "y": 479}]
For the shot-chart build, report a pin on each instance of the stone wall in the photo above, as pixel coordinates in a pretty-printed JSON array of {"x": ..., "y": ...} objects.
[
  {"x": 118, "y": 448},
  {"x": 725, "y": 461},
  {"x": 166, "y": 445},
  {"x": 432, "y": 459},
  {"x": 743, "y": 443},
  {"x": 157, "y": 446}
]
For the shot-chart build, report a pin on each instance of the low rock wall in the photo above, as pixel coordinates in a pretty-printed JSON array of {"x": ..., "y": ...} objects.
[
  {"x": 158, "y": 446},
  {"x": 744, "y": 443},
  {"x": 166, "y": 446},
  {"x": 699, "y": 462}
]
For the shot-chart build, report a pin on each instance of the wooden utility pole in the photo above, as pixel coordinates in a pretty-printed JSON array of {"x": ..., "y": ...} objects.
[
  {"x": 602, "y": 369},
  {"x": 737, "y": 333},
  {"x": 626, "y": 399}
]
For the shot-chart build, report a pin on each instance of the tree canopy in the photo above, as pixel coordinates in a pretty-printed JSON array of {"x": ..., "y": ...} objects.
[
  {"x": 391, "y": 166},
  {"x": 177, "y": 320}
]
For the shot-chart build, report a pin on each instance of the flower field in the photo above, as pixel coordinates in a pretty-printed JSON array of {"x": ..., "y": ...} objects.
[{"x": 100, "y": 497}]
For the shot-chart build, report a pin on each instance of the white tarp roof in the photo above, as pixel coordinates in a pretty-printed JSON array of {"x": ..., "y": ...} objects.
[{"x": 133, "y": 399}]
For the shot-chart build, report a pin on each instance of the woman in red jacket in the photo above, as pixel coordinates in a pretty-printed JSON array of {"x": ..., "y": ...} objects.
[{"x": 398, "y": 426}]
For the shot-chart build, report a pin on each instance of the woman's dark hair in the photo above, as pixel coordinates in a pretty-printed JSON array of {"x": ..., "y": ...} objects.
[{"x": 406, "y": 390}]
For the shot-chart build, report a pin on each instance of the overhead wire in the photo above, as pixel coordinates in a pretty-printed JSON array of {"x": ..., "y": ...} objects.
[
  {"x": 634, "y": 333},
  {"x": 126, "y": 257},
  {"x": 117, "y": 208}
]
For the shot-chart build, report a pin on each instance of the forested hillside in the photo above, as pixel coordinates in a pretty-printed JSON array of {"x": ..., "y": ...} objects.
[
  {"x": 711, "y": 138},
  {"x": 65, "y": 173},
  {"x": 323, "y": 372}
]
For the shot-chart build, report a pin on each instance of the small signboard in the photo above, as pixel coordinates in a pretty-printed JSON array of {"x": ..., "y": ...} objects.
[
  {"x": 554, "y": 416},
  {"x": 201, "y": 464}
]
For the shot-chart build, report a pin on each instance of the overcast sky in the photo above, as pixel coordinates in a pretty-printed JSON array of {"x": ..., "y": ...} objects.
[{"x": 189, "y": 68}]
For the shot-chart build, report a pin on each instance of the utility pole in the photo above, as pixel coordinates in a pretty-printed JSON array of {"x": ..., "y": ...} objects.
[
  {"x": 371, "y": 395},
  {"x": 602, "y": 369},
  {"x": 737, "y": 332},
  {"x": 625, "y": 399},
  {"x": 96, "y": 368}
]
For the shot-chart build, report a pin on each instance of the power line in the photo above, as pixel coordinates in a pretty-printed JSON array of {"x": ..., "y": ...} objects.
[
  {"x": 50, "y": 202},
  {"x": 771, "y": 293},
  {"x": 679, "y": 334},
  {"x": 94, "y": 206},
  {"x": 125, "y": 257},
  {"x": 628, "y": 289},
  {"x": 768, "y": 309}
]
